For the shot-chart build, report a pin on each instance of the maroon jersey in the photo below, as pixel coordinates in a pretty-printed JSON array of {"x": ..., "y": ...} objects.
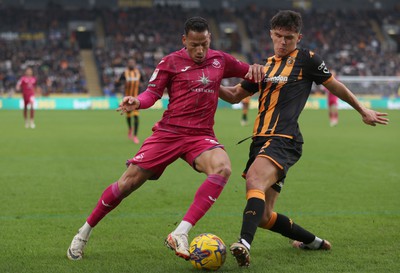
[
  {"x": 192, "y": 89},
  {"x": 27, "y": 85}
]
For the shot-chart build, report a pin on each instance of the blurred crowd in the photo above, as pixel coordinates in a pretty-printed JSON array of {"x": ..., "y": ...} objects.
[
  {"x": 40, "y": 39},
  {"x": 142, "y": 33},
  {"x": 350, "y": 42},
  {"x": 347, "y": 40}
]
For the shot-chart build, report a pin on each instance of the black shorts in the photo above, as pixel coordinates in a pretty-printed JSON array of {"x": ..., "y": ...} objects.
[{"x": 283, "y": 152}]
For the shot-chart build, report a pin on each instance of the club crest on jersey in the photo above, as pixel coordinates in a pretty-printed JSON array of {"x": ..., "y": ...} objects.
[
  {"x": 290, "y": 61},
  {"x": 216, "y": 64}
]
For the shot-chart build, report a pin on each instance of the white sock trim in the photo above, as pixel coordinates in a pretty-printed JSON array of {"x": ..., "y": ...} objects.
[
  {"x": 85, "y": 231},
  {"x": 246, "y": 244},
  {"x": 183, "y": 228},
  {"x": 315, "y": 244}
]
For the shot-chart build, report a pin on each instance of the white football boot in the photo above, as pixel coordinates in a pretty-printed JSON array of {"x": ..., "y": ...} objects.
[
  {"x": 75, "y": 250},
  {"x": 178, "y": 243}
]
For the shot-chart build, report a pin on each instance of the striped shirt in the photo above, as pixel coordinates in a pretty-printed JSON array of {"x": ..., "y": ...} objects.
[{"x": 284, "y": 92}]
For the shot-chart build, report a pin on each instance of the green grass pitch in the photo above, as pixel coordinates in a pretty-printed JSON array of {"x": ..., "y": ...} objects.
[{"x": 345, "y": 188}]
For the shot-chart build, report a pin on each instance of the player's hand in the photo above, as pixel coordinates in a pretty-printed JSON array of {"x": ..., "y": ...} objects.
[
  {"x": 255, "y": 73},
  {"x": 128, "y": 104},
  {"x": 372, "y": 117}
]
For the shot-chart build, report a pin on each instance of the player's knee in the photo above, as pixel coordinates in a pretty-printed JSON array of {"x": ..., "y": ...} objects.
[
  {"x": 268, "y": 214},
  {"x": 131, "y": 181},
  {"x": 253, "y": 182},
  {"x": 224, "y": 169}
]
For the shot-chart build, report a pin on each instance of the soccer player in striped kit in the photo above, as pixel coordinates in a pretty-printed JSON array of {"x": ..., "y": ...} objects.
[
  {"x": 192, "y": 77},
  {"x": 131, "y": 78},
  {"x": 277, "y": 140}
]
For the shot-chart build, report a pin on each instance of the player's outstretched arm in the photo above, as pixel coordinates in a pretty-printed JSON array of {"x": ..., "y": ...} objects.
[
  {"x": 255, "y": 73},
  {"x": 128, "y": 104},
  {"x": 372, "y": 117},
  {"x": 232, "y": 94},
  {"x": 369, "y": 116}
]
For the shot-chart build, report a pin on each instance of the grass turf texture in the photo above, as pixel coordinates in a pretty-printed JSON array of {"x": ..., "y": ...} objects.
[{"x": 345, "y": 188}]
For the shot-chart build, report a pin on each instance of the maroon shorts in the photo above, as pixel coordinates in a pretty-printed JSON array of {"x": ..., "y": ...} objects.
[
  {"x": 29, "y": 99},
  {"x": 163, "y": 147},
  {"x": 332, "y": 99}
]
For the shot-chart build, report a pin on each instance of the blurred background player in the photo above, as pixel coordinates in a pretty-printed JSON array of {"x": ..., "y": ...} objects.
[
  {"x": 333, "y": 106},
  {"x": 245, "y": 110},
  {"x": 131, "y": 78},
  {"x": 27, "y": 85}
]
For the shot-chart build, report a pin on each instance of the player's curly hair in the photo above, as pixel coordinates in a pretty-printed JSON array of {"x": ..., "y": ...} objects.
[
  {"x": 287, "y": 19},
  {"x": 197, "y": 24}
]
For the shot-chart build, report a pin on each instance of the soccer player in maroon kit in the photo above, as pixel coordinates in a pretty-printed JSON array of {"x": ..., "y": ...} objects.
[
  {"x": 192, "y": 77},
  {"x": 332, "y": 106},
  {"x": 27, "y": 85}
]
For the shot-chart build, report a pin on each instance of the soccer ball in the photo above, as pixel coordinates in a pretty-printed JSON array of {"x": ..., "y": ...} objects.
[{"x": 207, "y": 251}]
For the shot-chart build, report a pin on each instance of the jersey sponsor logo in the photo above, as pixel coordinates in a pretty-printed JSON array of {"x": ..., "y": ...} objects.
[
  {"x": 277, "y": 79},
  {"x": 202, "y": 90},
  {"x": 203, "y": 79},
  {"x": 154, "y": 75},
  {"x": 186, "y": 68},
  {"x": 323, "y": 67},
  {"x": 216, "y": 64}
]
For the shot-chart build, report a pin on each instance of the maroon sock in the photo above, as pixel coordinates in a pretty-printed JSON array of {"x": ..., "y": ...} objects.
[
  {"x": 109, "y": 200},
  {"x": 32, "y": 113},
  {"x": 205, "y": 197}
]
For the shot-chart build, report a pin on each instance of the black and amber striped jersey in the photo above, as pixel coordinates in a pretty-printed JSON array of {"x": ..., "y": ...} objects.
[
  {"x": 284, "y": 92},
  {"x": 131, "y": 78}
]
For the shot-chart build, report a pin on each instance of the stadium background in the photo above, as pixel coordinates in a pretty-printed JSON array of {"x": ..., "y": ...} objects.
[
  {"x": 77, "y": 48},
  {"x": 345, "y": 187}
]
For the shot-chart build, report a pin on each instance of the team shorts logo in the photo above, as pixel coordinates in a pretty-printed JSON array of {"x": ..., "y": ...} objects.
[
  {"x": 139, "y": 157},
  {"x": 212, "y": 141},
  {"x": 216, "y": 64}
]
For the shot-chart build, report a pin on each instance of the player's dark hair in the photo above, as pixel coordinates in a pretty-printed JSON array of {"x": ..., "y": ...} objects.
[
  {"x": 287, "y": 19},
  {"x": 196, "y": 24}
]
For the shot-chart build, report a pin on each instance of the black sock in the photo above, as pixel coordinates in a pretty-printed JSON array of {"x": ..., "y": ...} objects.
[
  {"x": 129, "y": 121},
  {"x": 135, "y": 125},
  {"x": 286, "y": 227},
  {"x": 252, "y": 216}
]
